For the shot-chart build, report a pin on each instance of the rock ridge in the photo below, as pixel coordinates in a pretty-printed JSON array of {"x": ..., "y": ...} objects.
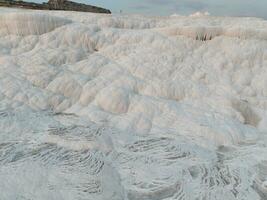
[{"x": 54, "y": 5}]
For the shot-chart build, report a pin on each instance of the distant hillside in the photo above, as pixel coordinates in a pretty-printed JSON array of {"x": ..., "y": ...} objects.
[{"x": 54, "y": 5}]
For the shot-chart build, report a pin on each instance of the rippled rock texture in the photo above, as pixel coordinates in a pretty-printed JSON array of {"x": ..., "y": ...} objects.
[{"x": 105, "y": 107}]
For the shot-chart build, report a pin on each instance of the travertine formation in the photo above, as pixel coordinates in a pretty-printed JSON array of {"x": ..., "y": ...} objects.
[
  {"x": 110, "y": 107},
  {"x": 54, "y": 5}
]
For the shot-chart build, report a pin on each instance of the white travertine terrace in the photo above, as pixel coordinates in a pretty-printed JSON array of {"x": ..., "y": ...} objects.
[{"x": 118, "y": 107}]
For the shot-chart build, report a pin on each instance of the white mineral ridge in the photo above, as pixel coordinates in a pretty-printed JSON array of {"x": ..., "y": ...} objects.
[{"x": 129, "y": 107}]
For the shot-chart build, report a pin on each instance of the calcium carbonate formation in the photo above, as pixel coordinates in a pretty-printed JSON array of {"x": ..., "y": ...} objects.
[{"x": 129, "y": 107}]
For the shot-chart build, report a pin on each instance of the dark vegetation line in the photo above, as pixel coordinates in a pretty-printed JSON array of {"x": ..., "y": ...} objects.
[{"x": 54, "y": 5}]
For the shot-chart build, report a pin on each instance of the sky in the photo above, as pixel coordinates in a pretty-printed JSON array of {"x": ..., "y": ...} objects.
[{"x": 252, "y": 8}]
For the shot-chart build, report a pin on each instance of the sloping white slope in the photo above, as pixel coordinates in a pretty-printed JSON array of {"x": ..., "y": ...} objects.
[{"x": 108, "y": 107}]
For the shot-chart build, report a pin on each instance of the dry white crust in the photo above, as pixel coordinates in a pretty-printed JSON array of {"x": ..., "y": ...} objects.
[{"x": 128, "y": 107}]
